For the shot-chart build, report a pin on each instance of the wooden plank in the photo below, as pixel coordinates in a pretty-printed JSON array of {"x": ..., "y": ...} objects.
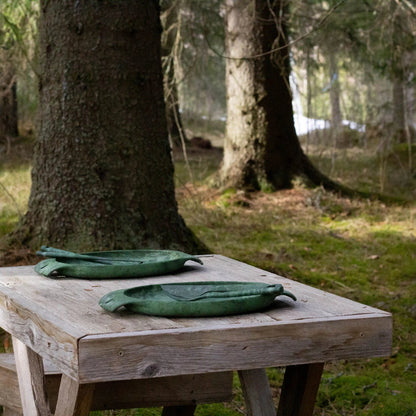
[
  {"x": 299, "y": 390},
  {"x": 79, "y": 297},
  {"x": 47, "y": 336},
  {"x": 256, "y": 391},
  {"x": 170, "y": 391},
  {"x": 9, "y": 386},
  {"x": 31, "y": 378},
  {"x": 74, "y": 399},
  {"x": 7, "y": 411},
  {"x": 7, "y": 361},
  {"x": 165, "y": 353}
]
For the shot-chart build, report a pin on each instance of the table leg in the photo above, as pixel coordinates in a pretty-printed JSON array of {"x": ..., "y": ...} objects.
[
  {"x": 74, "y": 399},
  {"x": 257, "y": 393},
  {"x": 31, "y": 376},
  {"x": 179, "y": 410},
  {"x": 299, "y": 390}
]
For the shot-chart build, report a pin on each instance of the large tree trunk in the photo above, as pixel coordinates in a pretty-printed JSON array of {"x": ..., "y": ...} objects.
[
  {"x": 261, "y": 148},
  {"x": 102, "y": 175}
]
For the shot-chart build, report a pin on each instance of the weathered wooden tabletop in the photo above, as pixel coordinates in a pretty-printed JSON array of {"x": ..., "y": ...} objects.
[{"x": 60, "y": 319}]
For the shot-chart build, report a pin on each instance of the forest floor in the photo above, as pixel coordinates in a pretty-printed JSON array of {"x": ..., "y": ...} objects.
[{"x": 361, "y": 249}]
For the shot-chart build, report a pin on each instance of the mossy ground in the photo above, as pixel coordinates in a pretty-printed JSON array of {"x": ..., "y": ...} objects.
[{"x": 364, "y": 250}]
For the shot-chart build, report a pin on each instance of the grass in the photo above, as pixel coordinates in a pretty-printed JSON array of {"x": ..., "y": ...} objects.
[
  {"x": 14, "y": 193},
  {"x": 363, "y": 250},
  {"x": 14, "y": 182},
  {"x": 360, "y": 249},
  {"x": 369, "y": 169}
]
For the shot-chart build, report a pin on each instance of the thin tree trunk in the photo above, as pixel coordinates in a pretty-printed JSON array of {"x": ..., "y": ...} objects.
[
  {"x": 8, "y": 104},
  {"x": 102, "y": 174},
  {"x": 308, "y": 94},
  {"x": 400, "y": 122},
  {"x": 334, "y": 93},
  {"x": 173, "y": 115},
  {"x": 401, "y": 131},
  {"x": 334, "y": 98},
  {"x": 171, "y": 25}
]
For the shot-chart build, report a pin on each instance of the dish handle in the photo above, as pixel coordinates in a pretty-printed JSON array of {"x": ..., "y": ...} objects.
[{"x": 115, "y": 300}]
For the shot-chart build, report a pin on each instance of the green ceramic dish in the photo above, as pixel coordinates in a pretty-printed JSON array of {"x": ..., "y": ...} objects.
[
  {"x": 192, "y": 299},
  {"x": 114, "y": 264}
]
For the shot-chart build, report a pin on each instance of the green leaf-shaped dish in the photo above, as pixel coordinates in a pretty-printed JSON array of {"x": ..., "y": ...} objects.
[
  {"x": 121, "y": 264},
  {"x": 192, "y": 299}
]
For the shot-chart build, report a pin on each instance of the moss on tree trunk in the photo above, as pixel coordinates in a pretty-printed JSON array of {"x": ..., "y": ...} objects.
[{"x": 102, "y": 175}]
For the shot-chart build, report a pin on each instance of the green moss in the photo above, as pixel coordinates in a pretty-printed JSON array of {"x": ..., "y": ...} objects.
[{"x": 366, "y": 394}]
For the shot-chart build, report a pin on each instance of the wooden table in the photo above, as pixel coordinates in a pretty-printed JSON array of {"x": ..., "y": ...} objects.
[{"x": 61, "y": 321}]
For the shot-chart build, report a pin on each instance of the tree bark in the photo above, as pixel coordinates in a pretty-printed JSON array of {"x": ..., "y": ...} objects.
[
  {"x": 261, "y": 148},
  {"x": 102, "y": 174}
]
